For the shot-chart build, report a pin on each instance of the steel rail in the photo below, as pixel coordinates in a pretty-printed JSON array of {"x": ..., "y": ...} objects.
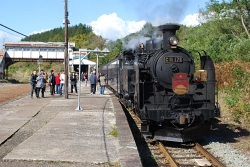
[
  {"x": 209, "y": 156},
  {"x": 170, "y": 159},
  {"x": 172, "y": 162}
]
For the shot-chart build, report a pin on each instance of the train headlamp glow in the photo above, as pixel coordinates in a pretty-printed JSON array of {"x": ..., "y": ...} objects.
[{"x": 173, "y": 40}]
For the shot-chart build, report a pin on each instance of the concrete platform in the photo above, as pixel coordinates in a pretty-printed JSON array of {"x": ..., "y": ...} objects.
[{"x": 71, "y": 135}]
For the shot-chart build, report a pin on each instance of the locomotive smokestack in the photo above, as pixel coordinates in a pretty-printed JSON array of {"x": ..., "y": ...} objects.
[{"x": 168, "y": 30}]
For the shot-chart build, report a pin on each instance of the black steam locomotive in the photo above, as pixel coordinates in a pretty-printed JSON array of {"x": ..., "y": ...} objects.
[{"x": 159, "y": 81}]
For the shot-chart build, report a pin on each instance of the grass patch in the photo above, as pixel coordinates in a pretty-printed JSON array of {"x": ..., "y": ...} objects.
[
  {"x": 21, "y": 71},
  {"x": 3, "y": 81},
  {"x": 116, "y": 164},
  {"x": 248, "y": 146},
  {"x": 114, "y": 132},
  {"x": 234, "y": 81}
]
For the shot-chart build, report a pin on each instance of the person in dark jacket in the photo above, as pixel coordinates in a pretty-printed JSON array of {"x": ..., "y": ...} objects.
[
  {"x": 44, "y": 80},
  {"x": 33, "y": 83},
  {"x": 92, "y": 80},
  {"x": 73, "y": 80},
  {"x": 52, "y": 82},
  {"x": 40, "y": 84}
]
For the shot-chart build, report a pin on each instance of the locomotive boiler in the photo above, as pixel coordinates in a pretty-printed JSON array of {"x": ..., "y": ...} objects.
[{"x": 159, "y": 82}]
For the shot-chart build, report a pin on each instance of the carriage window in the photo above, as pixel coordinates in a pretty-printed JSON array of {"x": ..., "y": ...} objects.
[
  {"x": 9, "y": 49},
  {"x": 26, "y": 49},
  {"x": 43, "y": 49},
  {"x": 60, "y": 50},
  {"x": 51, "y": 50},
  {"x": 18, "y": 49}
]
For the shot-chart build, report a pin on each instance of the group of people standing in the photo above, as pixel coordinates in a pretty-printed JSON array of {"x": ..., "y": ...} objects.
[
  {"x": 56, "y": 83},
  {"x": 38, "y": 83},
  {"x": 93, "y": 79}
]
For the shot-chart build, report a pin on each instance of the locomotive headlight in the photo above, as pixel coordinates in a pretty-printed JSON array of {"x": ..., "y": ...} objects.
[{"x": 173, "y": 40}]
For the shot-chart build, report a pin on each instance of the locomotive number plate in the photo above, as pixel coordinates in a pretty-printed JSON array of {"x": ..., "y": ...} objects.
[{"x": 173, "y": 59}]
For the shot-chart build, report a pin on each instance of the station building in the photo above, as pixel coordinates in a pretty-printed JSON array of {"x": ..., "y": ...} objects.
[{"x": 42, "y": 51}]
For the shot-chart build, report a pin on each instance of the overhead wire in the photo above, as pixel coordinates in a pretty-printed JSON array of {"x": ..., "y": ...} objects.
[{"x": 13, "y": 30}]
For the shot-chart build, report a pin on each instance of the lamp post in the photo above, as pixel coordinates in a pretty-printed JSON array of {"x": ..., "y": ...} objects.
[
  {"x": 97, "y": 51},
  {"x": 105, "y": 51},
  {"x": 79, "y": 77}
]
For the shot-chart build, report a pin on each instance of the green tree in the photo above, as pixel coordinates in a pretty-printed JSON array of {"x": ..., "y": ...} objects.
[
  {"x": 115, "y": 48},
  {"x": 57, "y": 34},
  {"x": 147, "y": 30},
  {"x": 221, "y": 35},
  {"x": 56, "y": 38},
  {"x": 80, "y": 40},
  {"x": 234, "y": 15}
]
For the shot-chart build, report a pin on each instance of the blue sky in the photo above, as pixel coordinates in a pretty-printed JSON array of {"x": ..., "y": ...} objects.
[{"x": 111, "y": 19}]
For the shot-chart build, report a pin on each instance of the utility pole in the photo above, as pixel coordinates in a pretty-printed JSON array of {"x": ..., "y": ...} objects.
[{"x": 66, "y": 56}]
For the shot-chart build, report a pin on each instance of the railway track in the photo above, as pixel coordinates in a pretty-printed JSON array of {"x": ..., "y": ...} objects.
[
  {"x": 177, "y": 154},
  {"x": 188, "y": 155}
]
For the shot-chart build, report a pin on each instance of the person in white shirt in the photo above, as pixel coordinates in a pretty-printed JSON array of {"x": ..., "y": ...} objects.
[{"x": 62, "y": 81}]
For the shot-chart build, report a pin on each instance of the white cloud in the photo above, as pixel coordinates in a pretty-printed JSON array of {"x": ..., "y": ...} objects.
[
  {"x": 191, "y": 20},
  {"x": 6, "y": 37},
  {"x": 135, "y": 26},
  {"x": 112, "y": 27},
  {"x": 36, "y": 32},
  {"x": 161, "y": 21}
]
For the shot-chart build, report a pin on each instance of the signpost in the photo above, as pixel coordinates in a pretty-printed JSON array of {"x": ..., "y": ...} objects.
[
  {"x": 79, "y": 77},
  {"x": 40, "y": 61}
]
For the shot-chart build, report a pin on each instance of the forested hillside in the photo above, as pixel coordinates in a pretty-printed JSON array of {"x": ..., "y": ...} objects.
[
  {"x": 224, "y": 34},
  {"x": 57, "y": 34}
]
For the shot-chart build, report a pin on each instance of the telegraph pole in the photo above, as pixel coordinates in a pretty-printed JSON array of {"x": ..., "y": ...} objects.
[{"x": 66, "y": 56}]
